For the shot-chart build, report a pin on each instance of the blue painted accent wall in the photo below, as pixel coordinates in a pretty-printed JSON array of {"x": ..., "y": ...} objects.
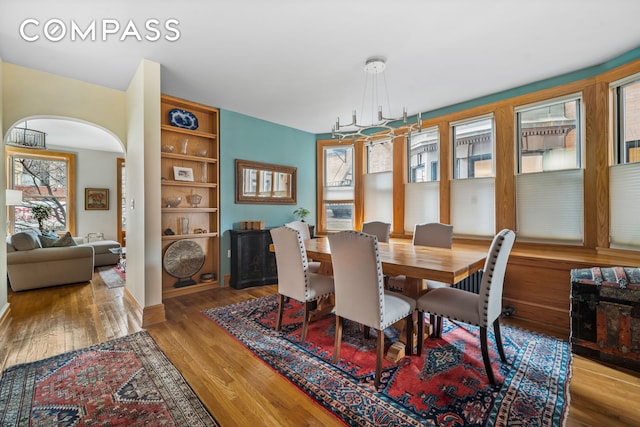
[{"x": 247, "y": 138}]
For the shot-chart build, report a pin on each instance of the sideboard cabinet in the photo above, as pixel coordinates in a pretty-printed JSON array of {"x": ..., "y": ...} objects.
[{"x": 252, "y": 263}]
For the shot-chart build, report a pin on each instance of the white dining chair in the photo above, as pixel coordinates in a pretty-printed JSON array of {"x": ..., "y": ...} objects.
[
  {"x": 481, "y": 309},
  {"x": 303, "y": 228},
  {"x": 294, "y": 278},
  {"x": 433, "y": 234},
  {"x": 360, "y": 294},
  {"x": 382, "y": 230}
]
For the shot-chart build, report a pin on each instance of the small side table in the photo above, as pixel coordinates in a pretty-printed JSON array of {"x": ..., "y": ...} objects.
[{"x": 122, "y": 262}]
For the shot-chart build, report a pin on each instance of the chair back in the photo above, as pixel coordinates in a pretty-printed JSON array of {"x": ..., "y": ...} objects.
[
  {"x": 358, "y": 278},
  {"x": 292, "y": 263},
  {"x": 380, "y": 229},
  {"x": 302, "y": 227},
  {"x": 490, "y": 301},
  {"x": 433, "y": 234}
]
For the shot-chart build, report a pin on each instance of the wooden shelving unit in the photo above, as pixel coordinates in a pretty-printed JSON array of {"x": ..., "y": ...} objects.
[{"x": 201, "y": 156}]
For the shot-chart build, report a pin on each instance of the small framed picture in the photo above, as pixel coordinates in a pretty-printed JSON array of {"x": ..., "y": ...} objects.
[
  {"x": 182, "y": 174},
  {"x": 96, "y": 199}
]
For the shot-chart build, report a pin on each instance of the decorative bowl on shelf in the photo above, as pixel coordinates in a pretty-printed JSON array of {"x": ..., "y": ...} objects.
[
  {"x": 172, "y": 202},
  {"x": 194, "y": 199},
  {"x": 167, "y": 148},
  {"x": 202, "y": 153}
]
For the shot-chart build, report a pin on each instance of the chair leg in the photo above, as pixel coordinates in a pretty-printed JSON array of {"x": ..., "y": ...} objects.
[
  {"x": 308, "y": 306},
  {"x": 432, "y": 322},
  {"x": 280, "y": 310},
  {"x": 367, "y": 332},
  {"x": 420, "y": 343},
  {"x": 496, "y": 332},
  {"x": 337, "y": 339},
  {"x": 439, "y": 326},
  {"x": 485, "y": 355},
  {"x": 409, "y": 328},
  {"x": 379, "y": 356}
]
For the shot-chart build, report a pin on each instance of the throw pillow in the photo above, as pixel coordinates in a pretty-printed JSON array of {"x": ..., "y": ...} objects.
[
  {"x": 26, "y": 240},
  {"x": 65, "y": 240}
]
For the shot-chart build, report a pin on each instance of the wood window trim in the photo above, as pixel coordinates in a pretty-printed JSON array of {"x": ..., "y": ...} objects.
[{"x": 70, "y": 158}]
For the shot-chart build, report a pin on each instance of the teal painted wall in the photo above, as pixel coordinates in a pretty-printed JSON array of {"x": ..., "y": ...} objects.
[{"x": 247, "y": 138}]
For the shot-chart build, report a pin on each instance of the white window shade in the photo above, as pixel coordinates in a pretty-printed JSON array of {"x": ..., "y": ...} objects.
[
  {"x": 378, "y": 197},
  {"x": 473, "y": 207},
  {"x": 344, "y": 192},
  {"x": 421, "y": 204},
  {"x": 550, "y": 206},
  {"x": 624, "y": 183}
]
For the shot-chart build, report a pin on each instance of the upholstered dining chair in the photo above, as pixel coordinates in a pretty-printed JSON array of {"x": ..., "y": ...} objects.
[
  {"x": 303, "y": 229},
  {"x": 481, "y": 309},
  {"x": 380, "y": 229},
  {"x": 294, "y": 278},
  {"x": 433, "y": 234},
  {"x": 360, "y": 294}
]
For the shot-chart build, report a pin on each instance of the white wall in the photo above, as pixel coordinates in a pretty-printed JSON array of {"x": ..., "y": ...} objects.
[
  {"x": 4, "y": 305},
  {"x": 95, "y": 169},
  {"x": 143, "y": 185}
]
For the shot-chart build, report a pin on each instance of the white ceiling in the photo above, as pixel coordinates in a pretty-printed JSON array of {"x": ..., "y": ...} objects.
[{"x": 300, "y": 63}]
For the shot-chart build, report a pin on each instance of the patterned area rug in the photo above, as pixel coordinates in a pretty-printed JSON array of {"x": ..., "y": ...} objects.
[
  {"x": 112, "y": 276},
  {"x": 127, "y": 381},
  {"x": 446, "y": 386}
]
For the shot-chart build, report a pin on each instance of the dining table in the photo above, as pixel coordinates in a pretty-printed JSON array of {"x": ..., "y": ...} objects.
[{"x": 401, "y": 257}]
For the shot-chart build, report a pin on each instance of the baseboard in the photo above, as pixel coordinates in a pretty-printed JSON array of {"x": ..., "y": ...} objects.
[
  {"x": 153, "y": 314},
  {"x": 4, "y": 315}
]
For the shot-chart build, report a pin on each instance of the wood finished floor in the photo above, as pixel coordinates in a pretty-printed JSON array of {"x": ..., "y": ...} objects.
[{"x": 236, "y": 386}]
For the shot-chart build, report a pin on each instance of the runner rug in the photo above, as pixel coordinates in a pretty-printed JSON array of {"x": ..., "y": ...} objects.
[
  {"x": 127, "y": 381},
  {"x": 447, "y": 385},
  {"x": 112, "y": 276}
]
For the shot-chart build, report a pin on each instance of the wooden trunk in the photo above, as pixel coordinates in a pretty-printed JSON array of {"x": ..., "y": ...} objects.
[{"x": 605, "y": 314}]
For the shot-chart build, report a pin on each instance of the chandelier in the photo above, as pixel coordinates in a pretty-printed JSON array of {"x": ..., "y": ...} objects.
[{"x": 376, "y": 91}]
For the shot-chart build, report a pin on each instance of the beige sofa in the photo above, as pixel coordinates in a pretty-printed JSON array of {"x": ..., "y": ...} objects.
[{"x": 31, "y": 266}]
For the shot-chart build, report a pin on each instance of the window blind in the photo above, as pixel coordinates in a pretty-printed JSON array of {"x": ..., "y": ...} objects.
[
  {"x": 624, "y": 193},
  {"x": 550, "y": 206},
  {"x": 421, "y": 204},
  {"x": 378, "y": 197},
  {"x": 473, "y": 207}
]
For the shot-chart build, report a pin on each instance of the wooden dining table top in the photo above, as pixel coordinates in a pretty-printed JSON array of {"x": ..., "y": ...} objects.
[{"x": 401, "y": 257}]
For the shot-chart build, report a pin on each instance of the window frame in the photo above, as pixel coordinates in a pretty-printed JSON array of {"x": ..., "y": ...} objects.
[
  {"x": 410, "y": 169},
  {"x": 619, "y": 155},
  {"x": 321, "y": 174},
  {"x": 580, "y": 122},
  {"x": 455, "y": 160},
  {"x": 70, "y": 158}
]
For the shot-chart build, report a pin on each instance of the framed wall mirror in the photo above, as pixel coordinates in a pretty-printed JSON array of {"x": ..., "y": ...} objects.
[{"x": 265, "y": 183}]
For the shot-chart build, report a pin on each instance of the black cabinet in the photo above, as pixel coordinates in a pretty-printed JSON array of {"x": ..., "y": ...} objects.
[{"x": 252, "y": 263}]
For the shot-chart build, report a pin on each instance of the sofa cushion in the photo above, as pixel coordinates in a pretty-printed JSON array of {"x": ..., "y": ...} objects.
[
  {"x": 64, "y": 241},
  {"x": 26, "y": 240}
]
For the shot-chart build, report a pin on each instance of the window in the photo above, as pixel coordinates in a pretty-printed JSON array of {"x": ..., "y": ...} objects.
[
  {"x": 45, "y": 178},
  {"x": 472, "y": 189},
  {"x": 548, "y": 137},
  {"x": 549, "y": 185},
  {"x": 378, "y": 182},
  {"x": 624, "y": 175},
  {"x": 473, "y": 148},
  {"x": 422, "y": 191},
  {"x": 338, "y": 187},
  {"x": 423, "y": 152},
  {"x": 628, "y": 122}
]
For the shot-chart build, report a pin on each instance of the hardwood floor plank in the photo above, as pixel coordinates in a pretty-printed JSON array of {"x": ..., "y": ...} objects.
[{"x": 236, "y": 386}]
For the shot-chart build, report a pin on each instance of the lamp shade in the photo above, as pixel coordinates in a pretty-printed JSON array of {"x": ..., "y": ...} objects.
[{"x": 13, "y": 197}]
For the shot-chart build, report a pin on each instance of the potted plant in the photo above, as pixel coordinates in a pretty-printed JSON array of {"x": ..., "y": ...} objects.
[
  {"x": 40, "y": 213},
  {"x": 301, "y": 213}
]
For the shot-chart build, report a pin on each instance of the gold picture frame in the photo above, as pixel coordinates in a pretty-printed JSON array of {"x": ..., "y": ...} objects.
[{"x": 96, "y": 199}]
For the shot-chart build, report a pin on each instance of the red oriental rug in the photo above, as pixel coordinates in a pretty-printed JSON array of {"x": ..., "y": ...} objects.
[
  {"x": 124, "y": 382},
  {"x": 447, "y": 386}
]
